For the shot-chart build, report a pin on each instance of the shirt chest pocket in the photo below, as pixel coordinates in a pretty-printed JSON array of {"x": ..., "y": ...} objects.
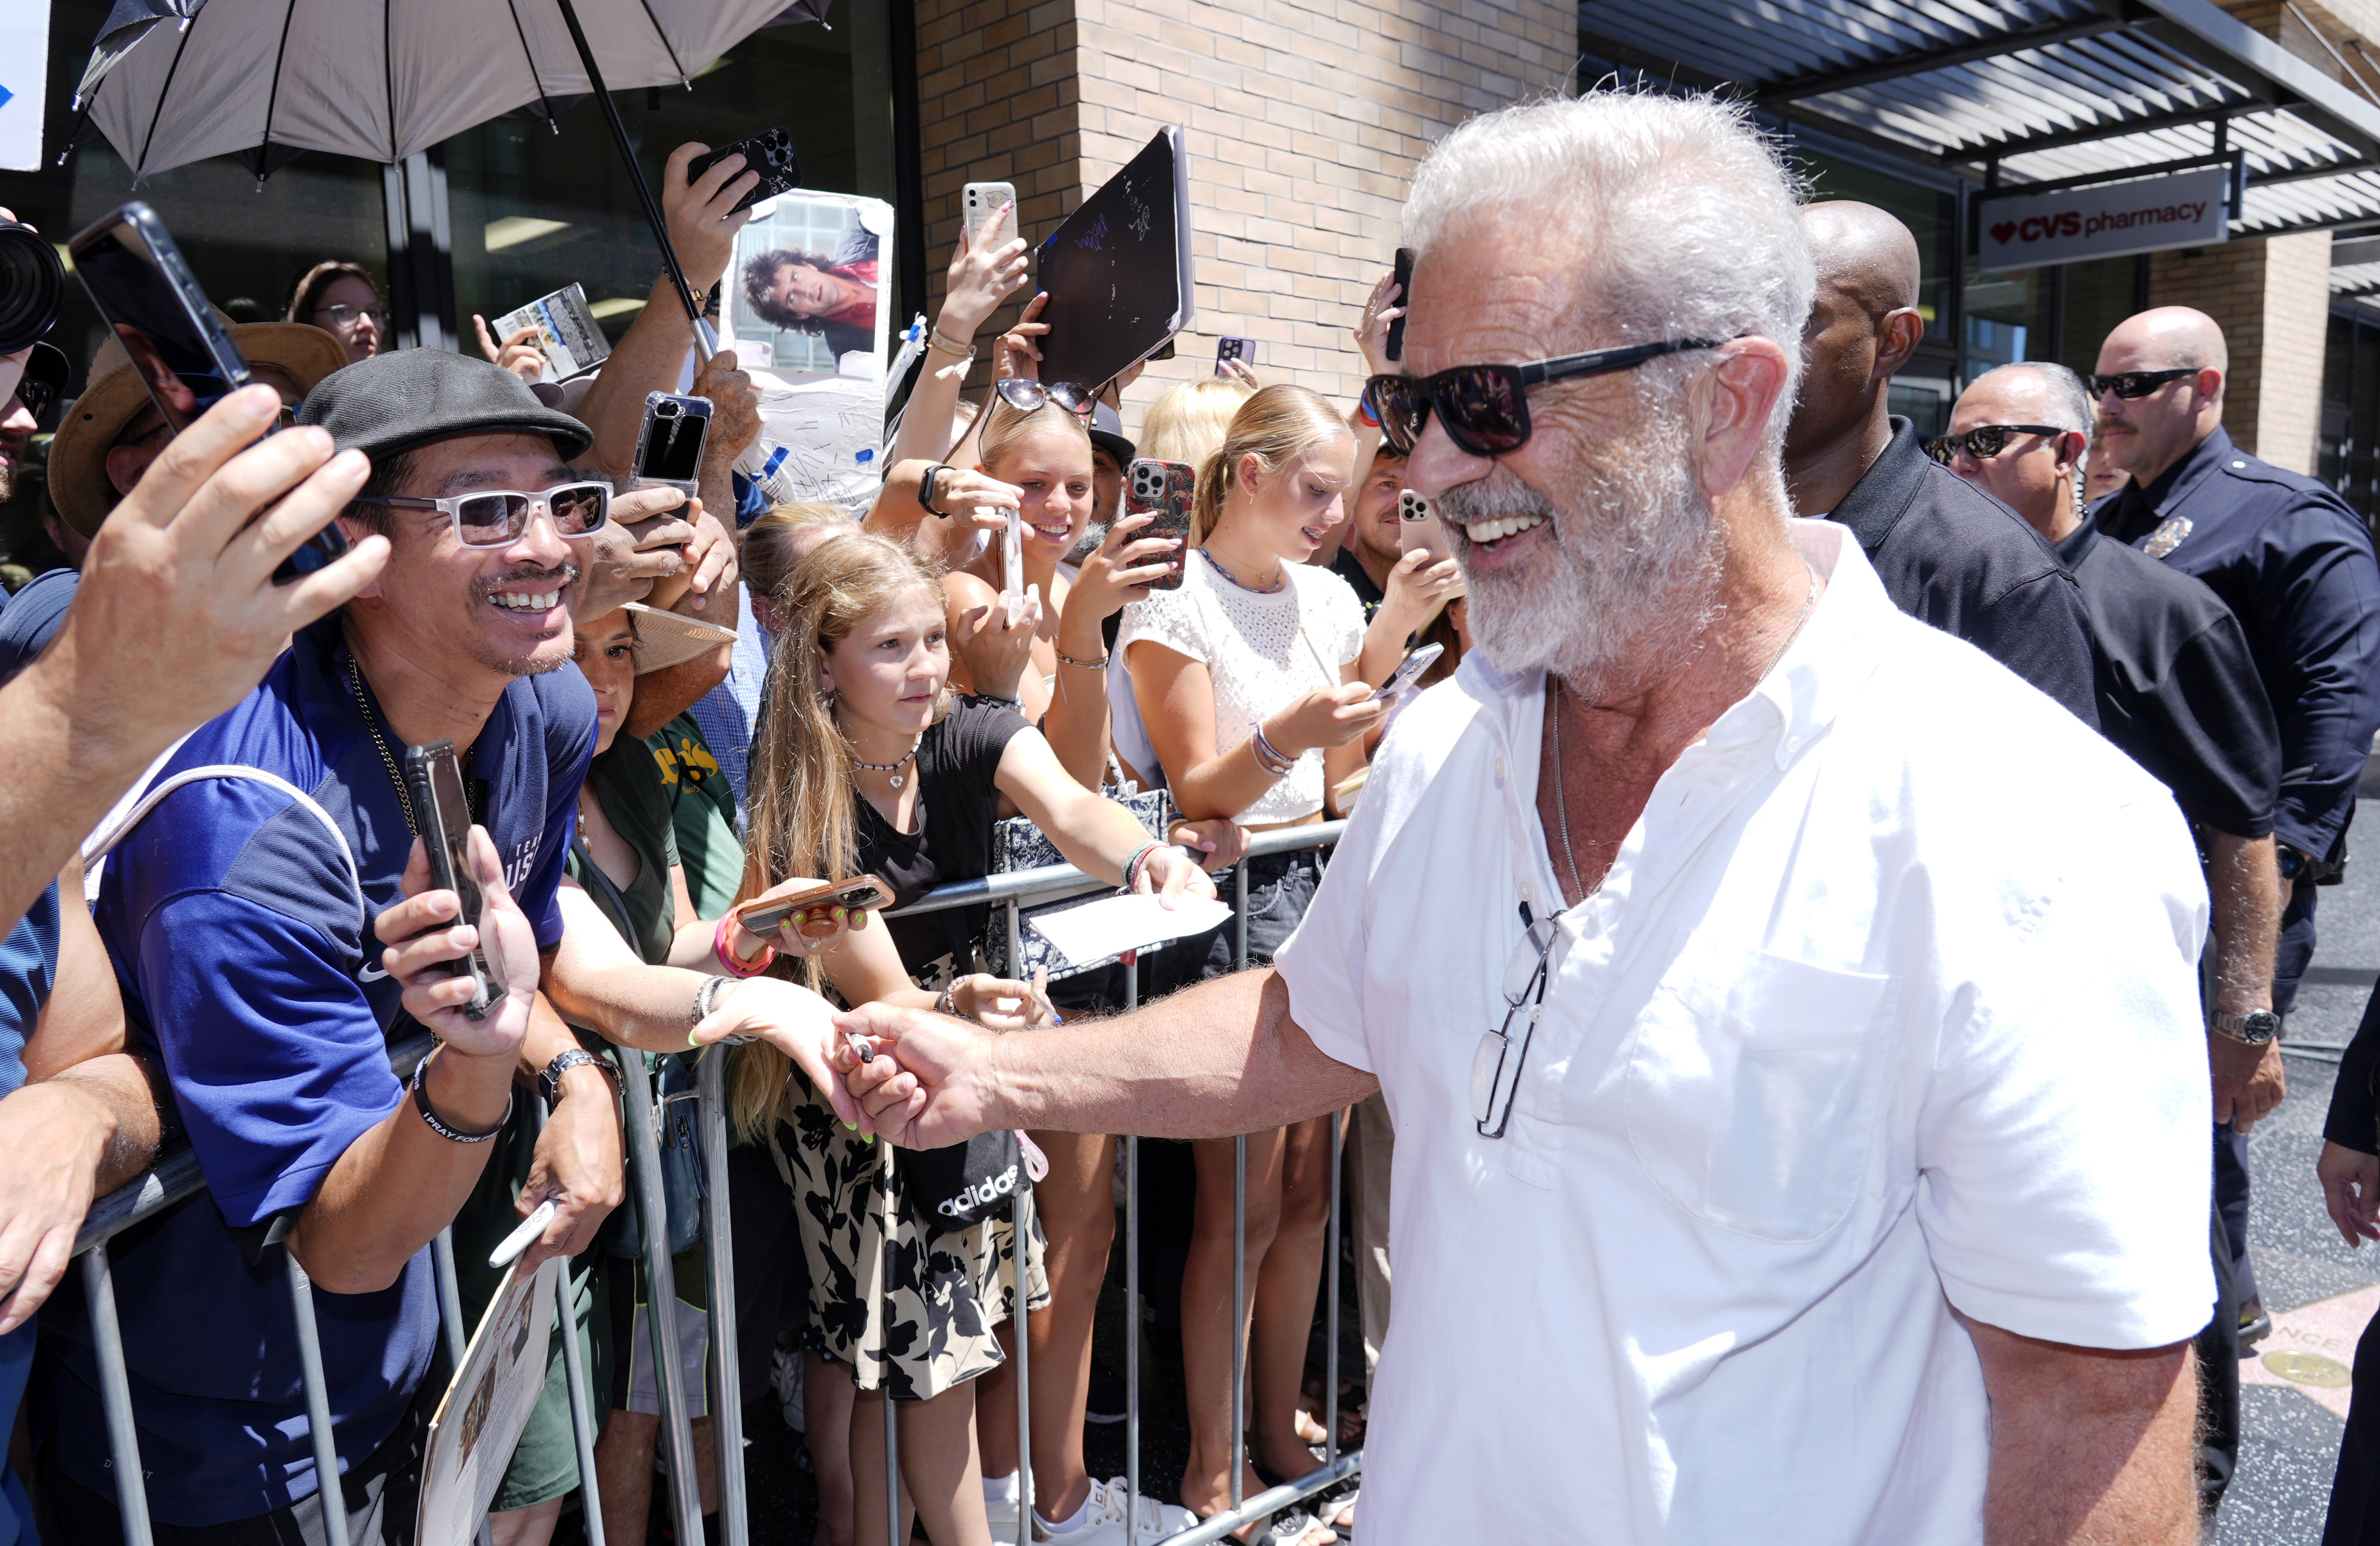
[{"x": 1752, "y": 1089}]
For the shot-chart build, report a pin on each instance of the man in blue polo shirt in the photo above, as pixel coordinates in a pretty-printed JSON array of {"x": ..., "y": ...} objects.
[{"x": 250, "y": 971}]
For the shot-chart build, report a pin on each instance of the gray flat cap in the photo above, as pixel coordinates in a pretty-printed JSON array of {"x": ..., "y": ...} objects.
[{"x": 407, "y": 397}]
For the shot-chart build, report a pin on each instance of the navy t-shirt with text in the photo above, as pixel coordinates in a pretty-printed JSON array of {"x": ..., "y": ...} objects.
[{"x": 248, "y": 971}]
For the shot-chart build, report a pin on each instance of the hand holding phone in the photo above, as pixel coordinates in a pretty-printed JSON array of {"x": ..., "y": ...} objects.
[
  {"x": 1229, "y": 349},
  {"x": 1395, "y": 344},
  {"x": 433, "y": 778},
  {"x": 769, "y": 155},
  {"x": 1012, "y": 562},
  {"x": 1408, "y": 670},
  {"x": 812, "y": 910},
  {"x": 991, "y": 213},
  {"x": 670, "y": 443},
  {"x": 1167, "y": 491}
]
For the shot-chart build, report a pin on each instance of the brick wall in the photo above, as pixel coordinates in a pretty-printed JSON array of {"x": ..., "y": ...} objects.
[
  {"x": 1305, "y": 119},
  {"x": 2271, "y": 298}
]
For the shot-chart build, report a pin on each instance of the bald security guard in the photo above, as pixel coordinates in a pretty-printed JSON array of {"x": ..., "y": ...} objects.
[
  {"x": 1948, "y": 553},
  {"x": 2179, "y": 692},
  {"x": 2295, "y": 565}
]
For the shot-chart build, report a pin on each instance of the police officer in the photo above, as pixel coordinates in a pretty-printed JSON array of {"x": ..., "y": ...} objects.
[
  {"x": 2295, "y": 565},
  {"x": 1947, "y": 555},
  {"x": 2179, "y": 691}
]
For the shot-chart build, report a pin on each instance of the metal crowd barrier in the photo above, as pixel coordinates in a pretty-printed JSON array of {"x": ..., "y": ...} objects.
[{"x": 176, "y": 1177}]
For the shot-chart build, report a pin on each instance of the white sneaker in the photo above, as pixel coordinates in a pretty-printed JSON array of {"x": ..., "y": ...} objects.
[
  {"x": 1103, "y": 1520},
  {"x": 1003, "y": 1516},
  {"x": 785, "y": 1379}
]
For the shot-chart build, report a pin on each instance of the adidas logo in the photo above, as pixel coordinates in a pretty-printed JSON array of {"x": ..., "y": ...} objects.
[{"x": 991, "y": 1189}]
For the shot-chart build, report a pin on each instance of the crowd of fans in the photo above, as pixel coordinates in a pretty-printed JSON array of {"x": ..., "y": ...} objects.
[{"x": 668, "y": 707}]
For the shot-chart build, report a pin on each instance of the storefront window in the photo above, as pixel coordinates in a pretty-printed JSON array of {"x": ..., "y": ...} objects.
[
  {"x": 1923, "y": 390},
  {"x": 534, "y": 211}
]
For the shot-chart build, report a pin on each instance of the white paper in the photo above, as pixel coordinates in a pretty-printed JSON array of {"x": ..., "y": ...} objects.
[
  {"x": 486, "y": 1409},
  {"x": 567, "y": 334},
  {"x": 1122, "y": 923},
  {"x": 24, "y": 74}
]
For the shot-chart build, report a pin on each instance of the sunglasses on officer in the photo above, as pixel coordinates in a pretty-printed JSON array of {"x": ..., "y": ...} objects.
[
  {"x": 1486, "y": 408},
  {"x": 497, "y": 518},
  {"x": 1984, "y": 442},
  {"x": 1027, "y": 396},
  {"x": 2129, "y": 384}
]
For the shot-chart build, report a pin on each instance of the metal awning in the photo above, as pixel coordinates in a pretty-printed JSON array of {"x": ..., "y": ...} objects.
[{"x": 2020, "y": 91}]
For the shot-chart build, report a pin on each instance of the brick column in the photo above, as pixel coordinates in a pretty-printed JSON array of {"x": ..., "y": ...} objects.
[
  {"x": 2271, "y": 298},
  {"x": 1305, "y": 118}
]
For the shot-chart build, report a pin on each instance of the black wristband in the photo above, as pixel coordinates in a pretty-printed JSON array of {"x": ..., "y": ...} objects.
[
  {"x": 926, "y": 487},
  {"x": 438, "y": 1125}
]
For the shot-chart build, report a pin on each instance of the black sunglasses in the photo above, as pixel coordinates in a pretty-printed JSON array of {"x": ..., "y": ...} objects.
[
  {"x": 1984, "y": 442},
  {"x": 1486, "y": 408},
  {"x": 2128, "y": 384},
  {"x": 1029, "y": 395}
]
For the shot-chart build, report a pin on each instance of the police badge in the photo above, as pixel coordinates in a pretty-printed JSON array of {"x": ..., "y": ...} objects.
[{"x": 2168, "y": 537}]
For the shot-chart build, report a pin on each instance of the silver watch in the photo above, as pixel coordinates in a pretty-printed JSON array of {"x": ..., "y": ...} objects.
[{"x": 2255, "y": 1029}]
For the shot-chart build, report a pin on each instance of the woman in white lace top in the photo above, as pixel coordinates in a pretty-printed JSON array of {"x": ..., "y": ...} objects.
[{"x": 1246, "y": 678}]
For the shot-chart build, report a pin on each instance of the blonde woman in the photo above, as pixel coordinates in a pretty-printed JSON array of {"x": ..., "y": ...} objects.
[
  {"x": 867, "y": 764},
  {"x": 1247, "y": 677}
]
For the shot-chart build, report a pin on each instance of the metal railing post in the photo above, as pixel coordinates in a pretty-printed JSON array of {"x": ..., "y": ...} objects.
[
  {"x": 327, "y": 1485},
  {"x": 727, "y": 1420},
  {"x": 116, "y": 1396},
  {"x": 1330, "y": 1305},
  {"x": 1132, "y": 1298},
  {"x": 1020, "y": 1225},
  {"x": 893, "y": 1531},
  {"x": 574, "y": 1378},
  {"x": 660, "y": 1286},
  {"x": 1239, "y": 1210}
]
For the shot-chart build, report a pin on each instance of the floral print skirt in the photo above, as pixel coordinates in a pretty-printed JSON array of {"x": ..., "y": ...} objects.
[{"x": 927, "y": 1328}]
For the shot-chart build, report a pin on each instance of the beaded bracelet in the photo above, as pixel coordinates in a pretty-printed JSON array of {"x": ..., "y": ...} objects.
[
  {"x": 734, "y": 964},
  {"x": 438, "y": 1125}
]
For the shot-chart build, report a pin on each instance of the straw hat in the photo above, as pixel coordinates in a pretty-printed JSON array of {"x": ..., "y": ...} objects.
[
  {"x": 78, "y": 473},
  {"x": 667, "y": 638}
]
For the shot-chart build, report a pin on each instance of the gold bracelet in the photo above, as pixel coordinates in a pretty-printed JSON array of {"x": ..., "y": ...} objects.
[{"x": 1098, "y": 664}]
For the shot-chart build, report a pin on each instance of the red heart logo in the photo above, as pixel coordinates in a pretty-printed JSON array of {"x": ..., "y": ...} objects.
[{"x": 2001, "y": 232}]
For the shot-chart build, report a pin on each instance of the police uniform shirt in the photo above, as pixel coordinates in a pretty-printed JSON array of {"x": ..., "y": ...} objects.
[
  {"x": 2295, "y": 565},
  {"x": 2177, "y": 690},
  {"x": 1951, "y": 554}
]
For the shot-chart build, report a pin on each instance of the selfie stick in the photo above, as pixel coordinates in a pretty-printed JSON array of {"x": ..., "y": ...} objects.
[{"x": 706, "y": 342}]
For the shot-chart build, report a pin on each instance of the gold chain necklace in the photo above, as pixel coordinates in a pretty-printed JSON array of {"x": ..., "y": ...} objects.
[{"x": 395, "y": 778}]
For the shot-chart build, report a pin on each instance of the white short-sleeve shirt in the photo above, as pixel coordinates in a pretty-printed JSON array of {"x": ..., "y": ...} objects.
[
  {"x": 1887, "y": 1009},
  {"x": 1262, "y": 651}
]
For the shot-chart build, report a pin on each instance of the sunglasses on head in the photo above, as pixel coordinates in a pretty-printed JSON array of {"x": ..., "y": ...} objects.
[
  {"x": 498, "y": 517},
  {"x": 1029, "y": 395},
  {"x": 1486, "y": 408},
  {"x": 1984, "y": 441},
  {"x": 2128, "y": 384}
]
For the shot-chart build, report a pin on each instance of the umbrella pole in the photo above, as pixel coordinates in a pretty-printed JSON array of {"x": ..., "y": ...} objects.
[{"x": 706, "y": 342}]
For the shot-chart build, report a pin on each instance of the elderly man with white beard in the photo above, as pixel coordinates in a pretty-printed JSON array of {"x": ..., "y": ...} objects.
[{"x": 1789, "y": 1103}]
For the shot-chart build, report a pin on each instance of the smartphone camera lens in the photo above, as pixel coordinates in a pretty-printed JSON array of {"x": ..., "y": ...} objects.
[
  {"x": 666, "y": 410},
  {"x": 32, "y": 287}
]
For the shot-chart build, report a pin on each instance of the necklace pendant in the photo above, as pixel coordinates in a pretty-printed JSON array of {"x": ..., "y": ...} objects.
[{"x": 896, "y": 781}]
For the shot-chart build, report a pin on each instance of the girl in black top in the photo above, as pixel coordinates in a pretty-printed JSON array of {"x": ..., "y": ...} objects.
[{"x": 865, "y": 765}]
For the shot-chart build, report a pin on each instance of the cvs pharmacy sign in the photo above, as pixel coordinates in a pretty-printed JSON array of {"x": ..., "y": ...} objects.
[{"x": 2188, "y": 209}]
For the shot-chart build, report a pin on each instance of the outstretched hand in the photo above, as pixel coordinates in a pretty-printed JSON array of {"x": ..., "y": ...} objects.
[
  {"x": 924, "y": 1083},
  {"x": 798, "y": 1023}
]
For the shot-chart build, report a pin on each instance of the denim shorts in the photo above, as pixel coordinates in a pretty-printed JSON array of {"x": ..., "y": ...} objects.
[{"x": 1280, "y": 887}]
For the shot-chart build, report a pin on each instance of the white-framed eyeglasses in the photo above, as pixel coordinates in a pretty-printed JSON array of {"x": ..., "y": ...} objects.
[{"x": 1496, "y": 1066}]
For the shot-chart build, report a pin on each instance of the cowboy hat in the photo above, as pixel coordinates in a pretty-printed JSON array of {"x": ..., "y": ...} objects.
[
  {"x": 77, "y": 472},
  {"x": 667, "y": 638}
]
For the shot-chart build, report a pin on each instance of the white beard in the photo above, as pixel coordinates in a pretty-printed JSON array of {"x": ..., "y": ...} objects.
[{"x": 1632, "y": 581}]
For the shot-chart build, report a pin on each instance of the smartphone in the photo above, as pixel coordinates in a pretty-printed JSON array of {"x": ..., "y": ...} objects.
[
  {"x": 1167, "y": 489},
  {"x": 180, "y": 349},
  {"x": 1012, "y": 560},
  {"x": 1412, "y": 507},
  {"x": 1408, "y": 671},
  {"x": 865, "y": 895},
  {"x": 990, "y": 212},
  {"x": 770, "y": 155},
  {"x": 669, "y": 444},
  {"x": 1242, "y": 349},
  {"x": 1394, "y": 345},
  {"x": 434, "y": 778}
]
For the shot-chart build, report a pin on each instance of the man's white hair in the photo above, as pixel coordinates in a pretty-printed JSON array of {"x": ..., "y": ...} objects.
[
  {"x": 2069, "y": 404},
  {"x": 1686, "y": 215}
]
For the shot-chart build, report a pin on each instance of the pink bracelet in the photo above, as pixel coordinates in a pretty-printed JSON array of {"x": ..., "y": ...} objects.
[{"x": 724, "y": 952}]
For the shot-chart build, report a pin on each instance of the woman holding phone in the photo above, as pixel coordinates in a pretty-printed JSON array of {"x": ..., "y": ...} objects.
[
  {"x": 868, "y": 764},
  {"x": 1247, "y": 677}
]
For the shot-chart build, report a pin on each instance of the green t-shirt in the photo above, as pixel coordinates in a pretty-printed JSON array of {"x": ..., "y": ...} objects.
[
  {"x": 703, "y": 806},
  {"x": 628, "y": 787}
]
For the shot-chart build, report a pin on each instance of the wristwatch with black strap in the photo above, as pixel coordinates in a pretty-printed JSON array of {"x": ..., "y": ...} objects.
[{"x": 2255, "y": 1029}]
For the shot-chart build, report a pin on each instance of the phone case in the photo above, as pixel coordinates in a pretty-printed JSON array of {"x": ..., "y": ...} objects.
[
  {"x": 770, "y": 155},
  {"x": 991, "y": 214},
  {"x": 1242, "y": 349},
  {"x": 1011, "y": 556},
  {"x": 1168, "y": 489},
  {"x": 442, "y": 831},
  {"x": 864, "y": 895},
  {"x": 1393, "y": 345},
  {"x": 1412, "y": 507},
  {"x": 670, "y": 442}
]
